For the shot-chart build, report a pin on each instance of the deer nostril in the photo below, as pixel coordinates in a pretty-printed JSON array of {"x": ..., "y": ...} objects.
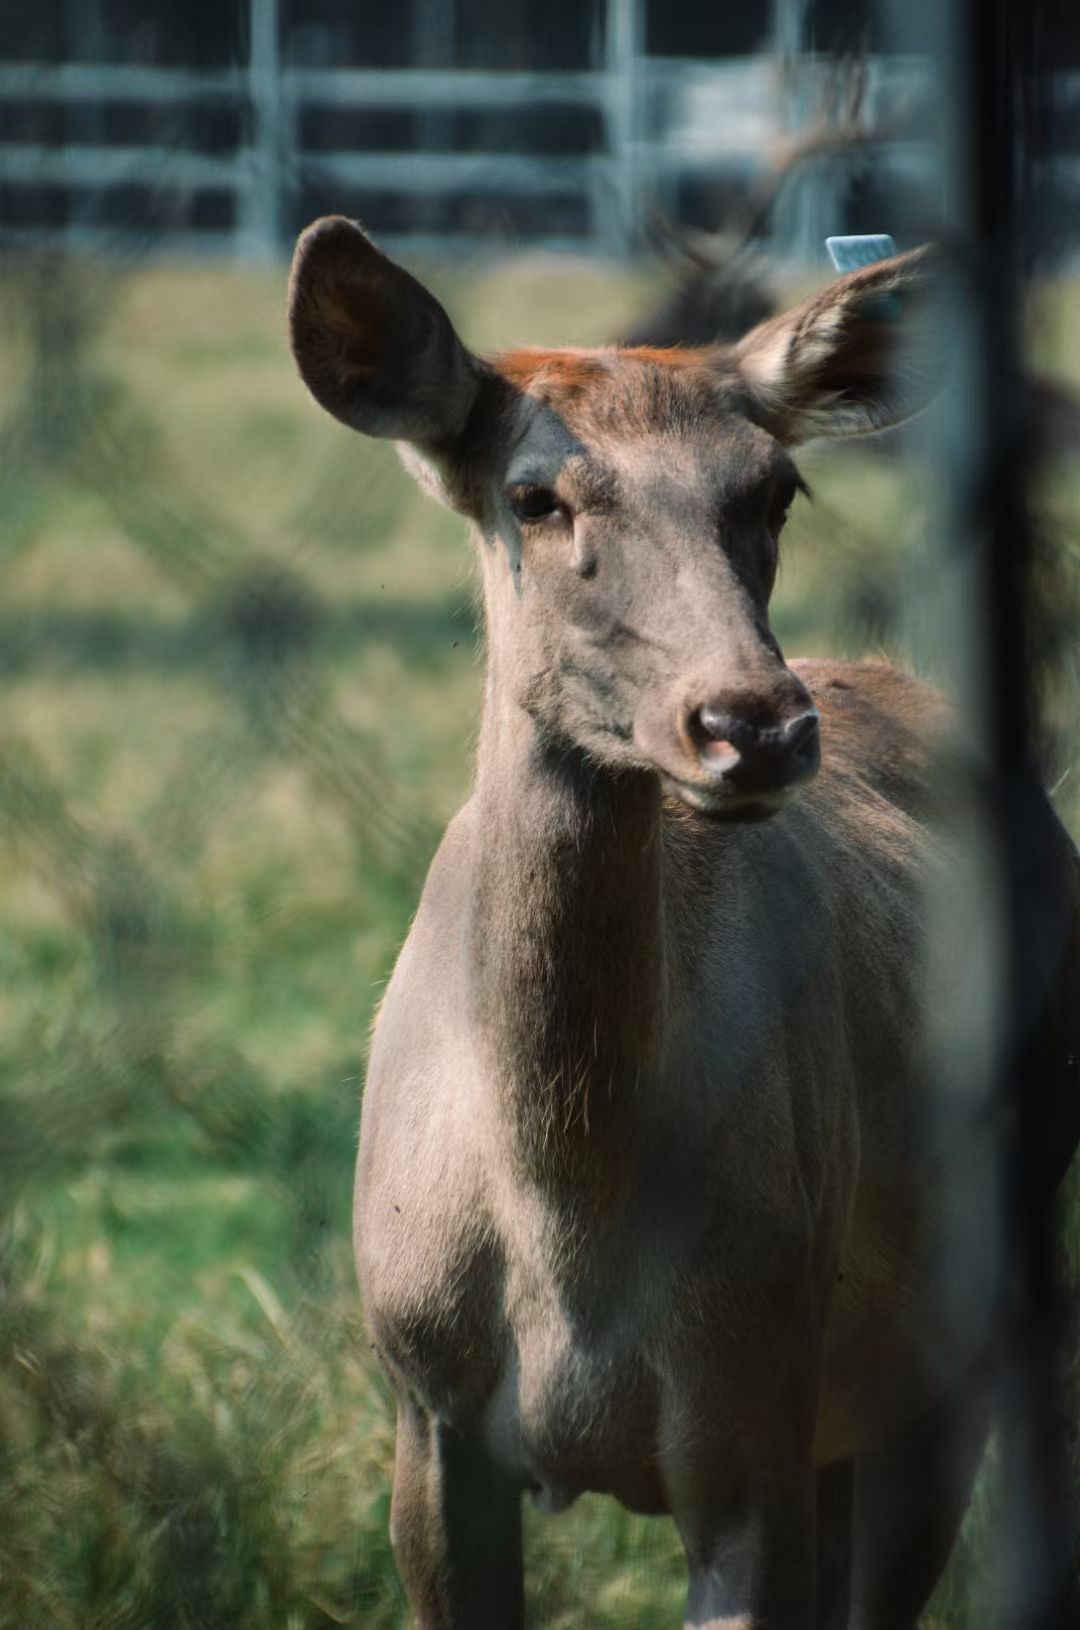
[
  {"x": 713, "y": 723},
  {"x": 800, "y": 732},
  {"x": 714, "y": 726},
  {"x": 718, "y": 738}
]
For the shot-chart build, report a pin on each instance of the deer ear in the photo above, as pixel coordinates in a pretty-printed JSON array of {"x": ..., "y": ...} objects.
[
  {"x": 373, "y": 347},
  {"x": 847, "y": 361}
]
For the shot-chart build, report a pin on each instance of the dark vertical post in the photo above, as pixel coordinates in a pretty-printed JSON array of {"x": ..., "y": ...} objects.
[
  {"x": 989, "y": 92},
  {"x": 992, "y": 74}
]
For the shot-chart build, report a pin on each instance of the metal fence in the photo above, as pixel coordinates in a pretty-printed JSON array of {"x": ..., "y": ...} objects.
[
  {"x": 120, "y": 1063},
  {"x": 121, "y": 154}
]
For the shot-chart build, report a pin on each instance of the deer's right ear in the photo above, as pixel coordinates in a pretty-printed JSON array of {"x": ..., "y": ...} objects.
[
  {"x": 373, "y": 347},
  {"x": 848, "y": 360}
]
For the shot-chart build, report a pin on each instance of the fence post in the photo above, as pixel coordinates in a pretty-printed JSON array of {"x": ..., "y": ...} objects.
[
  {"x": 1000, "y": 902},
  {"x": 259, "y": 196},
  {"x": 806, "y": 213},
  {"x": 434, "y": 42},
  {"x": 86, "y": 41},
  {"x": 624, "y": 49},
  {"x": 992, "y": 66}
]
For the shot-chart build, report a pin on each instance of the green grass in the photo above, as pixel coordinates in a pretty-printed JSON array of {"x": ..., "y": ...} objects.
[{"x": 240, "y": 688}]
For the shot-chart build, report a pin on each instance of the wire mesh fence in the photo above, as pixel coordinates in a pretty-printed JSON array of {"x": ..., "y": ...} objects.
[{"x": 240, "y": 672}]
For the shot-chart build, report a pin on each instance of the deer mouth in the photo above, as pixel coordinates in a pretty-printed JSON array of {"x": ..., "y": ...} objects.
[{"x": 726, "y": 803}]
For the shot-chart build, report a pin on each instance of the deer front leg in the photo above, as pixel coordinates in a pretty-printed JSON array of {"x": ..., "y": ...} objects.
[
  {"x": 456, "y": 1529},
  {"x": 750, "y": 1546}
]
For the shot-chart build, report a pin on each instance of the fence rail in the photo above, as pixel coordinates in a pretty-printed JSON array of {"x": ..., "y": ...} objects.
[
  {"x": 653, "y": 123},
  {"x": 648, "y": 127}
]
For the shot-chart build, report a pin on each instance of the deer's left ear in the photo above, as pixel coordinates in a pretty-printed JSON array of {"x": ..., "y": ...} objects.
[
  {"x": 374, "y": 348},
  {"x": 846, "y": 361}
]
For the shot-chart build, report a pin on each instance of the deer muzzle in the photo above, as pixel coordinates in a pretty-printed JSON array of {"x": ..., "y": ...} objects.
[{"x": 741, "y": 760}]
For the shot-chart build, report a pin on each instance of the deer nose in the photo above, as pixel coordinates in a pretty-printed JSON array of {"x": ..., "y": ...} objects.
[{"x": 755, "y": 755}]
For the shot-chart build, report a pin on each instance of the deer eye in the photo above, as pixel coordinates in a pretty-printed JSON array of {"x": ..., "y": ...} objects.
[
  {"x": 782, "y": 501},
  {"x": 531, "y": 504},
  {"x": 778, "y": 516}
]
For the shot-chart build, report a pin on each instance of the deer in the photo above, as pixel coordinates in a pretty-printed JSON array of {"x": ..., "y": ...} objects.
[
  {"x": 722, "y": 285},
  {"x": 651, "y": 1199}
]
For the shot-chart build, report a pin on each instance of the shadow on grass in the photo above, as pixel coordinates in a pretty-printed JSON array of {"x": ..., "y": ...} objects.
[{"x": 108, "y": 642}]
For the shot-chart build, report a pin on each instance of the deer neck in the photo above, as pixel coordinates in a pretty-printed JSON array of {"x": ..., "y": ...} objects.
[{"x": 567, "y": 953}]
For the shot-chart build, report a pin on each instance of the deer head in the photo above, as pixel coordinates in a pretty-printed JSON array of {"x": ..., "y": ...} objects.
[{"x": 629, "y": 503}]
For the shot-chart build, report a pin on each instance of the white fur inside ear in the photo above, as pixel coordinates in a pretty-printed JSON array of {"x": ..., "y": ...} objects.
[
  {"x": 778, "y": 362},
  {"x": 767, "y": 364}
]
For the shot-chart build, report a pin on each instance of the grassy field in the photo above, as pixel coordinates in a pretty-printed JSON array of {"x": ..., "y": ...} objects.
[{"x": 240, "y": 675}]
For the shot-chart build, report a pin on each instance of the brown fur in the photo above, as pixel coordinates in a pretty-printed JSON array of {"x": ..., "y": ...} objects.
[
  {"x": 575, "y": 370},
  {"x": 659, "y": 1188}
]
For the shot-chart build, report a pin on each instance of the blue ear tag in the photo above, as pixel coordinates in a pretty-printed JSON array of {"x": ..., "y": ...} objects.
[{"x": 848, "y": 254}]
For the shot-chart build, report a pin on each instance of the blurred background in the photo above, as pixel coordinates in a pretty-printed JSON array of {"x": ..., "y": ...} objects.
[{"x": 240, "y": 671}]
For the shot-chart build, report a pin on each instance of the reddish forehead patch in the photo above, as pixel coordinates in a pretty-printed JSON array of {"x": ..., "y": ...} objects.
[
  {"x": 569, "y": 371},
  {"x": 574, "y": 370},
  {"x": 636, "y": 390}
]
